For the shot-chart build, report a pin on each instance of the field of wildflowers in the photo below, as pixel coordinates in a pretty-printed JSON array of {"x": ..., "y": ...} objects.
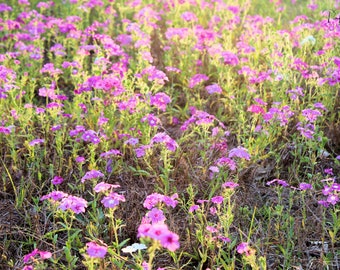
[{"x": 170, "y": 134}]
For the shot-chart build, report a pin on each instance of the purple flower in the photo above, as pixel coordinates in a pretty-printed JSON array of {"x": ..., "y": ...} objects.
[
  {"x": 154, "y": 75},
  {"x": 43, "y": 255},
  {"x": 244, "y": 248},
  {"x": 49, "y": 68},
  {"x": 305, "y": 186},
  {"x": 336, "y": 186},
  {"x": 77, "y": 130},
  {"x": 102, "y": 186},
  {"x": 230, "y": 58},
  {"x": 173, "y": 69},
  {"x": 132, "y": 141},
  {"x": 140, "y": 151},
  {"x": 73, "y": 203},
  {"x": 160, "y": 232},
  {"x": 57, "y": 180},
  {"x": 307, "y": 131},
  {"x": 90, "y": 135},
  {"x": 5, "y": 130},
  {"x": 112, "y": 152},
  {"x": 226, "y": 161},
  {"x": 327, "y": 190},
  {"x": 255, "y": 109},
  {"x": 112, "y": 200},
  {"x": 173, "y": 33},
  {"x": 294, "y": 93},
  {"x": 162, "y": 137},
  {"x": 96, "y": 251},
  {"x": 278, "y": 181},
  {"x": 217, "y": 199},
  {"x": 311, "y": 115},
  {"x": 323, "y": 203},
  {"x": 202, "y": 201},
  {"x": 47, "y": 92},
  {"x": 56, "y": 127},
  {"x": 152, "y": 200},
  {"x": 189, "y": 16},
  {"x": 329, "y": 171},
  {"x": 224, "y": 239},
  {"x": 5, "y": 7},
  {"x": 152, "y": 120},
  {"x": 332, "y": 199},
  {"x": 211, "y": 229},
  {"x": 80, "y": 159},
  {"x": 213, "y": 88},
  {"x": 170, "y": 201},
  {"x": 230, "y": 185},
  {"x": 160, "y": 100},
  {"x": 91, "y": 175},
  {"x": 54, "y": 195},
  {"x": 156, "y": 215},
  {"x": 214, "y": 169},
  {"x": 239, "y": 152},
  {"x": 36, "y": 141},
  {"x": 39, "y": 110},
  {"x": 169, "y": 240},
  {"x": 197, "y": 79},
  {"x": 193, "y": 208}
]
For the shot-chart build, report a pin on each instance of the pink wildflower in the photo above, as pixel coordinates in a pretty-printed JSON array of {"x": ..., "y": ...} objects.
[
  {"x": 73, "y": 203},
  {"x": 91, "y": 175},
  {"x": 36, "y": 141},
  {"x": 57, "y": 180},
  {"x": 96, "y": 251},
  {"x": 156, "y": 215},
  {"x": 102, "y": 186},
  {"x": 239, "y": 152},
  {"x": 197, "y": 79},
  {"x": 230, "y": 185},
  {"x": 217, "y": 199},
  {"x": 256, "y": 109},
  {"x": 169, "y": 240},
  {"x": 43, "y": 255},
  {"x": 305, "y": 186},
  {"x": 193, "y": 208},
  {"x": 244, "y": 248},
  {"x": 160, "y": 100},
  {"x": 214, "y": 88},
  {"x": 112, "y": 200}
]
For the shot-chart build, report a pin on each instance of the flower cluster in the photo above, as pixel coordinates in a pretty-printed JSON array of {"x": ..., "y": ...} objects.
[
  {"x": 213, "y": 88},
  {"x": 197, "y": 79},
  {"x": 160, "y": 100},
  {"x": 152, "y": 120},
  {"x": 153, "y": 223},
  {"x": 161, "y": 233},
  {"x": 278, "y": 114},
  {"x": 154, "y": 199},
  {"x": 67, "y": 202},
  {"x": 90, "y": 136},
  {"x": 199, "y": 118},
  {"x": 112, "y": 199},
  {"x": 332, "y": 192},
  {"x": 154, "y": 75},
  {"x": 162, "y": 137},
  {"x": 307, "y": 127}
]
